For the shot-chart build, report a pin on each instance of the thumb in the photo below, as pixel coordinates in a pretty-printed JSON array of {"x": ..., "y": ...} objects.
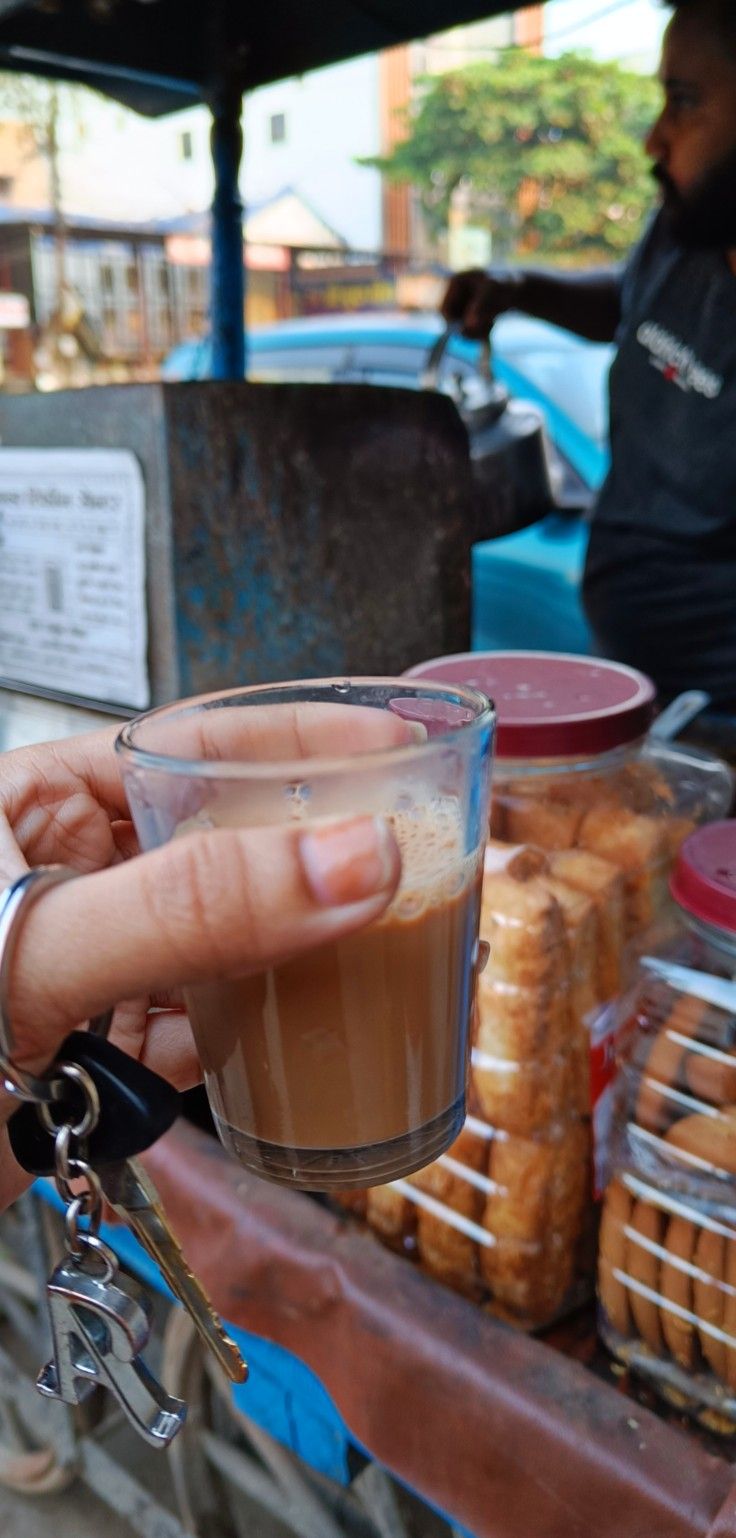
[{"x": 210, "y": 905}]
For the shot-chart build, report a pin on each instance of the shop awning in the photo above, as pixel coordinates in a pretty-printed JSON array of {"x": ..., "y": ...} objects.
[{"x": 159, "y": 55}]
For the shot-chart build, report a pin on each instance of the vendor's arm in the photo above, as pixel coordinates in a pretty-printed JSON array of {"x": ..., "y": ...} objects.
[{"x": 588, "y": 303}]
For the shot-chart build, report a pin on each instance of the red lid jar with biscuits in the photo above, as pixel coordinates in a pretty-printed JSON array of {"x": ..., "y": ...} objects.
[
  {"x": 578, "y": 766},
  {"x": 667, "y": 1255},
  {"x": 589, "y": 808},
  {"x": 588, "y": 812}
]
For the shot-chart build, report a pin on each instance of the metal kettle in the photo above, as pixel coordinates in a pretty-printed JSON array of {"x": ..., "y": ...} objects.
[{"x": 509, "y": 454}]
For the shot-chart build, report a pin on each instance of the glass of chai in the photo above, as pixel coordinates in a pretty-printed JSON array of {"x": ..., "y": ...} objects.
[{"x": 346, "y": 1066}]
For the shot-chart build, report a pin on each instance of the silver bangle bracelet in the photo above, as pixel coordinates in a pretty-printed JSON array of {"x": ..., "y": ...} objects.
[{"x": 15, "y": 902}]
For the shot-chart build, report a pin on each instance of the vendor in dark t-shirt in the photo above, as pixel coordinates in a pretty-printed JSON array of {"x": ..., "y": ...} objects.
[{"x": 660, "y": 579}]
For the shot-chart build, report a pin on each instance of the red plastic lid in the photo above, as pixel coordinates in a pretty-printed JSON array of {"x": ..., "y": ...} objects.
[
  {"x": 704, "y": 878},
  {"x": 553, "y": 704}
]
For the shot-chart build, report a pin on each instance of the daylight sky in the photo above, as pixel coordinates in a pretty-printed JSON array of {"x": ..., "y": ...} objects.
[{"x": 629, "y": 29}]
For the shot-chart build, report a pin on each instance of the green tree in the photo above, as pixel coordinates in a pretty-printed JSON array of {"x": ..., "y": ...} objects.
[{"x": 546, "y": 153}]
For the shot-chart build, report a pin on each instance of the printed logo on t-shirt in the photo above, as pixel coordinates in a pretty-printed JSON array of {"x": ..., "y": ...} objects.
[{"x": 677, "y": 362}]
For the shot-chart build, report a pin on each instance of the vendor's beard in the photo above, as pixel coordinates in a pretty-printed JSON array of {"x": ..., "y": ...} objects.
[{"x": 705, "y": 217}]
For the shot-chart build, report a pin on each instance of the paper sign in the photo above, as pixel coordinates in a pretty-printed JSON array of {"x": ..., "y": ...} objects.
[{"x": 72, "y": 573}]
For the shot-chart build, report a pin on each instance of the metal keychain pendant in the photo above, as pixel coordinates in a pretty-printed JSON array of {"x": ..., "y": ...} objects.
[
  {"x": 100, "y": 1324},
  {"x": 100, "y": 1317},
  {"x": 83, "y": 1121}
]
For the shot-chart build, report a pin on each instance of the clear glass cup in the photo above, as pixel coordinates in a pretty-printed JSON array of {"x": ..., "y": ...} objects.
[{"x": 347, "y": 1065}]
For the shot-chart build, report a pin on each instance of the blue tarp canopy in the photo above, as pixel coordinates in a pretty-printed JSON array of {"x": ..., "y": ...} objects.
[{"x": 160, "y": 55}]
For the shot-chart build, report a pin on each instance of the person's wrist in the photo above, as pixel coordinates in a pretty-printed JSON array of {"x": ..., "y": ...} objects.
[{"x": 510, "y": 286}]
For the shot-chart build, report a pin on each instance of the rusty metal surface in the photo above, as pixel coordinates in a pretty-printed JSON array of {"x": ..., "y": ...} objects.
[
  {"x": 320, "y": 529},
  {"x": 291, "y": 530},
  {"x": 116, "y": 416},
  {"x": 508, "y": 1435}
]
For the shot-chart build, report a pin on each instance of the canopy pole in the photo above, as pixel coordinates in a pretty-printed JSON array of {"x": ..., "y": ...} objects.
[
  {"x": 227, "y": 296},
  {"x": 227, "y": 275}
]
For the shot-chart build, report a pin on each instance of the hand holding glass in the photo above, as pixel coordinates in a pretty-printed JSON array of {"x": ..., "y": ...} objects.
[{"x": 347, "y": 1065}]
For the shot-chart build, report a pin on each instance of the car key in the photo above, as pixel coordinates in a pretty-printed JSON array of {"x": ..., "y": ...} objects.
[
  {"x": 132, "y": 1194},
  {"x": 93, "y": 1110}
]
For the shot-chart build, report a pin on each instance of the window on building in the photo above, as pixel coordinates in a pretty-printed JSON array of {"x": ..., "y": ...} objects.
[
  {"x": 107, "y": 278},
  {"x": 6, "y": 186},
  {"x": 186, "y": 145},
  {"x": 277, "y": 127}
]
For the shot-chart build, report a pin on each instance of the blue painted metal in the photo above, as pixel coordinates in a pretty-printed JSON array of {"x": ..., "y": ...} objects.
[
  {"x": 228, "y": 267},
  {"x": 146, "y": 91},
  {"x": 526, "y": 589}
]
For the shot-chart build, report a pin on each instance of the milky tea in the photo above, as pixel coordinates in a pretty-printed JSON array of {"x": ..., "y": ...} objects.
[{"x": 348, "y": 1065}]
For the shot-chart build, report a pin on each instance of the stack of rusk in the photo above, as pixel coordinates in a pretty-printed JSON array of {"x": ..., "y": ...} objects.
[
  {"x": 667, "y": 1256},
  {"x": 506, "y": 1216}
]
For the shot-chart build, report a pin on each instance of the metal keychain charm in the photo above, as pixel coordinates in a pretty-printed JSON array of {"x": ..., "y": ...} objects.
[
  {"x": 82, "y": 1122},
  {"x": 100, "y": 1317}
]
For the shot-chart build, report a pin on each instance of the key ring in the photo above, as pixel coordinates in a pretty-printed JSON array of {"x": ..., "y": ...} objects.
[{"x": 15, "y": 902}]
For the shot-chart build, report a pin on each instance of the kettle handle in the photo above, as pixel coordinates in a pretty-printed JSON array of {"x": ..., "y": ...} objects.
[{"x": 429, "y": 377}]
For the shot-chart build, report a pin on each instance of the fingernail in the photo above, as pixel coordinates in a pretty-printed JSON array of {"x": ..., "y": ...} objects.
[
  {"x": 418, "y": 731},
  {"x": 348, "y": 861}
]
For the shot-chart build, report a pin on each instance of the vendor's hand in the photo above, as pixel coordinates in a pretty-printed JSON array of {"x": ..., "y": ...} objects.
[
  {"x": 474, "y": 299},
  {"x": 211, "y": 904}
]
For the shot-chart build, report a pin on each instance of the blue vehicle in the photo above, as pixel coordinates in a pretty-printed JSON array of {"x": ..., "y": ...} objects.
[{"x": 526, "y": 585}]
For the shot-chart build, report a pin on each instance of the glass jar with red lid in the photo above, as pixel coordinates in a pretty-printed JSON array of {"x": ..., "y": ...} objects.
[
  {"x": 578, "y": 767},
  {"x": 588, "y": 813},
  {"x": 667, "y": 1255}
]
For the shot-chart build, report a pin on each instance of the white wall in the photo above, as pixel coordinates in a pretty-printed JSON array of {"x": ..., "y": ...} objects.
[
  {"x": 474, "y": 43},
  {"x": 118, "y": 165},
  {"x": 631, "y": 30},
  {"x": 332, "y": 116}
]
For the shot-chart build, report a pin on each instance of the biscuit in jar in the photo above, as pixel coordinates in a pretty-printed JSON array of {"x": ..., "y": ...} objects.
[
  {"x": 524, "y": 928},
  {"x": 447, "y": 1246},
  {"x": 534, "y": 1216},
  {"x": 525, "y": 1097},
  {"x": 710, "y": 1073},
  {"x": 603, "y": 883},
  {"x": 522, "y": 1025},
  {"x": 521, "y": 861},
  {"x": 391, "y": 1215},
  {"x": 352, "y": 1201},
  {"x": 729, "y": 1312},
  {"x": 612, "y": 1289},
  {"x": 705, "y": 1141},
  {"x": 644, "y": 1234},
  {"x": 676, "y": 830},
  {"x": 662, "y": 1083},
  {"x": 578, "y": 915},
  {"x": 709, "y": 1297},
  {"x": 637, "y": 845},
  {"x": 676, "y": 1286},
  {"x": 533, "y": 813}
]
